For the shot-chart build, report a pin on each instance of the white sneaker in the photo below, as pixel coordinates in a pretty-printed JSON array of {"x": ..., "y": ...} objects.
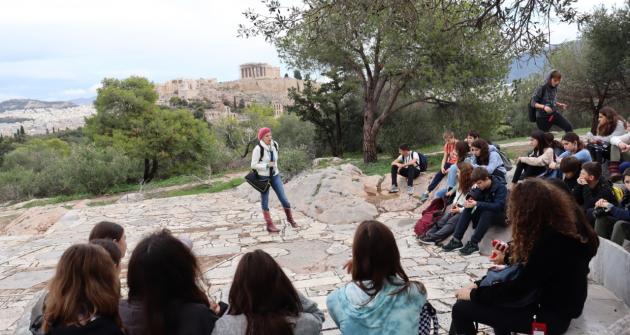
[
  {"x": 393, "y": 189},
  {"x": 410, "y": 190}
]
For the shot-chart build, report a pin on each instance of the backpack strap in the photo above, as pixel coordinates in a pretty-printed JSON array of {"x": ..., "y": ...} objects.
[{"x": 262, "y": 150}]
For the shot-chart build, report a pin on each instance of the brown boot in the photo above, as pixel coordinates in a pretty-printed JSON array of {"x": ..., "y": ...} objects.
[
  {"x": 270, "y": 226},
  {"x": 287, "y": 211},
  {"x": 614, "y": 174}
]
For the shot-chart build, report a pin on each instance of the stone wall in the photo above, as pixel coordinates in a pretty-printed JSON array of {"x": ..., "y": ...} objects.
[{"x": 611, "y": 268}]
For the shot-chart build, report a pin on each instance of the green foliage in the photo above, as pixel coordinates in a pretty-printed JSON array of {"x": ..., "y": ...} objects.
[
  {"x": 200, "y": 189},
  {"x": 293, "y": 161},
  {"x": 294, "y": 133}
]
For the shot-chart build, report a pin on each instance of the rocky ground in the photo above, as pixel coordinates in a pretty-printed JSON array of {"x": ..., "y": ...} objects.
[{"x": 223, "y": 226}]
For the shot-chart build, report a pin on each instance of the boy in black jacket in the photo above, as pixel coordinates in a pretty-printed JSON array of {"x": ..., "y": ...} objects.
[
  {"x": 614, "y": 224},
  {"x": 485, "y": 205},
  {"x": 592, "y": 187}
]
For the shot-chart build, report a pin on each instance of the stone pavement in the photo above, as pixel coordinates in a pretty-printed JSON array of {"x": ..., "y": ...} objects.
[{"x": 225, "y": 225}]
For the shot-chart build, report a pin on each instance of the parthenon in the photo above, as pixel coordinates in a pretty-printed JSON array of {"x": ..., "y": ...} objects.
[{"x": 259, "y": 71}]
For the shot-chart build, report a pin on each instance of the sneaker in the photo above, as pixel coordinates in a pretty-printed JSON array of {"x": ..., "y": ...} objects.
[
  {"x": 454, "y": 244},
  {"x": 469, "y": 249},
  {"x": 393, "y": 189},
  {"x": 410, "y": 190},
  {"x": 424, "y": 239},
  {"x": 424, "y": 197}
]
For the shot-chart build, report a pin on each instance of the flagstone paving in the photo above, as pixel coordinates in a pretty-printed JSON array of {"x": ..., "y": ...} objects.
[{"x": 222, "y": 227}]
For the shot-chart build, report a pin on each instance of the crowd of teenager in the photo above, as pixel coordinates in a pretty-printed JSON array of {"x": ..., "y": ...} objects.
[{"x": 539, "y": 278}]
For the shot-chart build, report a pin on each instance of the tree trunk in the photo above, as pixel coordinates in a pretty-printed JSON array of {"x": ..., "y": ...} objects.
[
  {"x": 369, "y": 136},
  {"x": 338, "y": 150},
  {"x": 594, "y": 121},
  {"x": 147, "y": 168},
  {"x": 150, "y": 169}
]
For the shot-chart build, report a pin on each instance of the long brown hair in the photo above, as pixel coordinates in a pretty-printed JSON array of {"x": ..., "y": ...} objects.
[
  {"x": 163, "y": 273},
  {"x": 85, "y": 284},
  {"x": 264, "y": 294},
  {"x": 375, "y": 258},
  {"x": 484, "y": 148},
  {"x": 464, "y": 181},
  {"x": 574, "y": 138},
  {"x": 612, "y": 117},
  {"x": 462, "y": 149},
  {"x": 529, "y": 213}
]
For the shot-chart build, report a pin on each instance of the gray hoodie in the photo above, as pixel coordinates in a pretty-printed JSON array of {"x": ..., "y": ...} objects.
[
  {"x": 309, "y": 322},
  {"x": 545, "y": 94}
]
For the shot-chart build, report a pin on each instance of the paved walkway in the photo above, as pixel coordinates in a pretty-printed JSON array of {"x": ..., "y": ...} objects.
[{"x": 223, "y": 227}]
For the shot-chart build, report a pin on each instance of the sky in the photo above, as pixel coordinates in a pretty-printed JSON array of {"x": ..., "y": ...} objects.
[{"x": 62, "y": 49}]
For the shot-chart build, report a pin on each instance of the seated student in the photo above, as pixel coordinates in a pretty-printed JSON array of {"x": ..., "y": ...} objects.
[
  {"x": 445, "y": 226},
  {"x": 558, "y": 148},
  {"x": 573, "y": 146},
  {"x": 83, "y": 295},
  {"x": 592, "y": 187},
  {"x": 614, "y": 223},
  {"x": 462, "y": 150},
  {"x": 609, "y": 125},
  {"x": 487, "y": 156},
  {"x": 263, "y": 301},
  {"x": 448, "y": 159},
  {"x": 380, "y": 300},
  {"x": 165, "y": 293},
  {"x": 484, "y": 206},
  {"x": 111, "y": 231},
  {"x": 619, "y": 152},
  {"x": 555, "y": 248},
  {"x": 570, "y": 168},
  {"x": 535, "y": 164},
  {"x": 407, "y": 165},
  {"x": 471, "y": 137}
]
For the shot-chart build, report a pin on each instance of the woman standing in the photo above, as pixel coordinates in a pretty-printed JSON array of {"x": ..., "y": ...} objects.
[
  {"x": 555, "y": 248},
  {"x": 265, "y": 161}
]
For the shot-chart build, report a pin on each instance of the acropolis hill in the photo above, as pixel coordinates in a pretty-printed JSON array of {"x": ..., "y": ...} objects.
[{"x": 259, "y": 83}]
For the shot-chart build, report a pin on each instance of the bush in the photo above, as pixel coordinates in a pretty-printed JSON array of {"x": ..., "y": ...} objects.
[
  {"x": 16, "y": 184},
  {"x": 294, "y": 133},
  {"x": 293, "y": 161}
]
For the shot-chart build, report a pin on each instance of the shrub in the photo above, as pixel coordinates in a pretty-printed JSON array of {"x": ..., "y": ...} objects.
[{"x": 293, "y": 161}]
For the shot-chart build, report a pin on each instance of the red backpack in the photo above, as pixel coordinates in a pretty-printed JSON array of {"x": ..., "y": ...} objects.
[{"x": 430, "y": 216}]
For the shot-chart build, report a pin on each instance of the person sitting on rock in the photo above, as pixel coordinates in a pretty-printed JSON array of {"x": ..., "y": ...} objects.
[
  {"x": 448, "y": 159},
  {"x": 484, "y": 206},
  {"x": 536, "y": 163},
  {"x": 445, "y": 225},
  {"x": 110, "y": 231},
  {"x": 487, "y": 156},
  {"x": 263, "y": 301},
  {"x": 166, "y": 292},
  {"x": 615, "y": 225},
  {"x": 83, "y": 294},
  {"x": 380, "y": 299},
  {"x": 471, "y": 137},
  {"x": 406, "y": 165},
  {"x": 555, "y": 244},
  {"x": 570, "y": 168},
  {"x": 592, "y": 187}
]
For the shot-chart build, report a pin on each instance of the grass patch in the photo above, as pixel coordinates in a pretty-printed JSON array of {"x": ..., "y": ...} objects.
[
  {"x": 55, "y": 200},
  {"x": 102, "y": 203},
  {"x": 200, "y": 189}
]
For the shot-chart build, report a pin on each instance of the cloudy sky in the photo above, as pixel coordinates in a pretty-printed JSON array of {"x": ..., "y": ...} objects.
[{"x": 61, "y": 49}]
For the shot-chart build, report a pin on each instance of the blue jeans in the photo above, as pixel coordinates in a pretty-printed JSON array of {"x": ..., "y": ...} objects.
[
  {"x": 438, "y": 177},
  {"x": 481, "y": 219},
  {"x": 276, "y": 184},
  {"x": 451, "y": 181}
]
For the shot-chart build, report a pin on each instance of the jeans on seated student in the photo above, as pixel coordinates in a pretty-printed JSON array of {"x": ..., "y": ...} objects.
[
  {"x": 449, "y": 158},
  {"x": 484, "y": 207}
]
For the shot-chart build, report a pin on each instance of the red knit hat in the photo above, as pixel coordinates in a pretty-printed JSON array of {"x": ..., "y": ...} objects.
[{"x": 262, "y": 132}]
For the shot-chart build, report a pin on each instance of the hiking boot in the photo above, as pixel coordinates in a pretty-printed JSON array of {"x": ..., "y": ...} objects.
[
  {"x": 393, "y": 189},
  {"x": 410, "y": 190},
  {"x": 469, "y": 249},
  {"x": 424, "y": 239},
  {"x": 287, "y": 211},
  {"x": 270, "y": 226},
  {"x": 454, "y": 244},
  {"x": 424, "y": 197}
]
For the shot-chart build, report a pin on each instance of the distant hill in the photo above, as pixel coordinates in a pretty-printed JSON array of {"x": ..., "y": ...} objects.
[
  {"x": 526, "y": 65},
  {"x": 14, "y": 104},
  {"x": 83, "y": 101}
]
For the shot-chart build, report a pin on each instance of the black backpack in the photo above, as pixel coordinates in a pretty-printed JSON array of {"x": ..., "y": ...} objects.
[
  {"x": 262, "y": 150},
  {"x": 423, "y": 162},
  {"x": 532, "y": 110}
]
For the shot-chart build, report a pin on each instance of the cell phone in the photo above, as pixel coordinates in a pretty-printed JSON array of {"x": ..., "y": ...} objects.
[{"x": 460, "y": 205}]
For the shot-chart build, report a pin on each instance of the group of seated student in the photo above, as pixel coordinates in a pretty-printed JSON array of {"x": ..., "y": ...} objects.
[{"x": 449, "y": 158}]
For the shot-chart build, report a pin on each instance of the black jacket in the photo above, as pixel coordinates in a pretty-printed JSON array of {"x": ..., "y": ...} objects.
[
  {"x": 558, "y": 269},
  {"x": 587, "y": 197},
  {"x": 545, "y": 94},
  {"x": 99, "y": 326},
  {"x": 493, "y": 198}
]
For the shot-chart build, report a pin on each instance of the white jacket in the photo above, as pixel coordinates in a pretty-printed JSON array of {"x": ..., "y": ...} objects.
[
  {"x": 619, "y": 130},
  {"x": 262, "y": 165}
]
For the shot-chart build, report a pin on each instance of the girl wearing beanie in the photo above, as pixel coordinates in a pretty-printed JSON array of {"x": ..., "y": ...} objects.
[{"x": 265, "y": 161}]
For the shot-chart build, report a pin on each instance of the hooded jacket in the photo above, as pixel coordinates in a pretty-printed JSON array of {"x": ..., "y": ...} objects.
[
  {"x": 385, "y": 314},
  {"x": 545, "y": 94}
]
